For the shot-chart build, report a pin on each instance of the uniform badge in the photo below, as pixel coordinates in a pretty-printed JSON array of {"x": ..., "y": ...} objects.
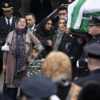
[{"x": 6, "y": 4}]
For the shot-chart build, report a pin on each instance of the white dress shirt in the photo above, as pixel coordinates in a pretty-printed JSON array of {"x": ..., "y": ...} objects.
[
  {"x": 10, "y": 20},
  {"x": 32, "y": 28}
]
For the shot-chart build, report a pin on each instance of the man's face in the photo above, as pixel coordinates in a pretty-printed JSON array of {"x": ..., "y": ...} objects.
[
  {"x": 8, "y": 13},
  {"x": 30, "y": 20},
  {"x": 93, "y": 30},
  {"x": 62, "y": 13}
]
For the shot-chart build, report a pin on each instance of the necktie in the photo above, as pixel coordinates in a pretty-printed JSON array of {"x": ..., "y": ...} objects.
[
  {"x": 8, "y": 23},
  {"x": 31, "y": 30}
]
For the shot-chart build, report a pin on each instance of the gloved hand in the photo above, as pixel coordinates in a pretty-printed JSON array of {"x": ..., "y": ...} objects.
[{"x": 5, "y": 47}]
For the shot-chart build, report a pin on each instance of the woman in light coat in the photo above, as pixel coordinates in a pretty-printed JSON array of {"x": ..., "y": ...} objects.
[{"x": 15, "y": 61}]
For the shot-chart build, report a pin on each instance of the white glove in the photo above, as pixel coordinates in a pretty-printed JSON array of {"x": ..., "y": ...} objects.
[
  {"x": 5, "y": 47},
  {"x": 54, "y": 97},
  {"x": 77, "y": 64}
]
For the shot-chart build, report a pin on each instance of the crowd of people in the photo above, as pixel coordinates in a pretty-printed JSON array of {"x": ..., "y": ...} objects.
[{"x": 48, "y": 61}]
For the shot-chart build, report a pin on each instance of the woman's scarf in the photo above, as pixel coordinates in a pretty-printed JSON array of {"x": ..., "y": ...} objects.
[
  {"x": 19, "y": 50},
  {"x": 42, "y": 31},
  {"x": 58, "y": 39}
]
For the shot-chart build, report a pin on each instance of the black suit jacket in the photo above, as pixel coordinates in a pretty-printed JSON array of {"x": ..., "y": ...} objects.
[
  {"x": 93, "y": 76},
  {"x": 4, "y": 29}
]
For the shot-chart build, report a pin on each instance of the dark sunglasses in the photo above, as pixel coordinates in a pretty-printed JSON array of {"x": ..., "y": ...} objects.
[{"x": 6, "y": 10}]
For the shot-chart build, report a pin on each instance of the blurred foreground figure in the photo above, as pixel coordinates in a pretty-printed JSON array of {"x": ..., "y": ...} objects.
[
  {"x": 38, "y": 87},
  {"x": 57, "y": 67},
  {"x": 91, "y": 91}
]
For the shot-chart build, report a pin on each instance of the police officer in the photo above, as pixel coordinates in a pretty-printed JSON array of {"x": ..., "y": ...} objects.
[
  {"x": 94, "y": 32},
  {"x": 93, "y": 52},
  {"x": 94, "y": 29},
  {"x": 38, "y": 88},
  {"x": 7, "y": 24}
]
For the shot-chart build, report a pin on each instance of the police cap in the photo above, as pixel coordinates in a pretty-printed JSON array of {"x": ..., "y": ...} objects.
[
  {"x": 38, "y": 87},
  {"x": 7, "y": 6},
  {"x": 93, "y": 50},
  {"x": 94, "y": 21},
  {"x": 67, "y": 2}
]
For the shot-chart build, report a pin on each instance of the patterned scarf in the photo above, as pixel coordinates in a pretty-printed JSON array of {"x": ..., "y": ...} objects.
[{"x": 19, "y": 51}]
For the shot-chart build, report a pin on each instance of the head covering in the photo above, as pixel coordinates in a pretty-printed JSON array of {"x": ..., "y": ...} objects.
[
  {"x": 57, "y": 66},
  {"x": 38, "y": 87},
  {"x": 39, "y": 48},
  {"x": 94, "y": 21},
  {"x": 20, "y": 30},
  {"x": 7, "y": 6},
  {"x": 41, "y": 29},
  {"x": 64, "y": 18},
  {"x": 93, "y": 50}
]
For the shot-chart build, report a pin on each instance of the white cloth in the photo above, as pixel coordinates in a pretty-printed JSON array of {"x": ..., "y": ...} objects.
[
  {"x": 89, "y": 6},
  {"x": 5, "y": 47},
  {"x": 54, "y": 97}
]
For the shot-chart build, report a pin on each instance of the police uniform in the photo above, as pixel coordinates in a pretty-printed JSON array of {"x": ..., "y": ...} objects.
[
  {"x": 94, "y": 21},
  {"x": 93, "y": 51},
  {"x": 4, "y": 27},
  {"x": 70, "y": 46},
  {"x": 82, "y": 65},
  {"x": 82, "y": 62},
  {"x": 38, "y": 87}
]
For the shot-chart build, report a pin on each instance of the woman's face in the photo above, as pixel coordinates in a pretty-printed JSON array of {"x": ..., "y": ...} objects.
[
  {"x": 21, "y": 23},
  {"x": 62, "y": 24},
  {"x": 48, "y": 25}
]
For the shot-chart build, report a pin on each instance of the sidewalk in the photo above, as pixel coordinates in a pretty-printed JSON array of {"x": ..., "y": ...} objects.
[{"x": 1, "y": 81}]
